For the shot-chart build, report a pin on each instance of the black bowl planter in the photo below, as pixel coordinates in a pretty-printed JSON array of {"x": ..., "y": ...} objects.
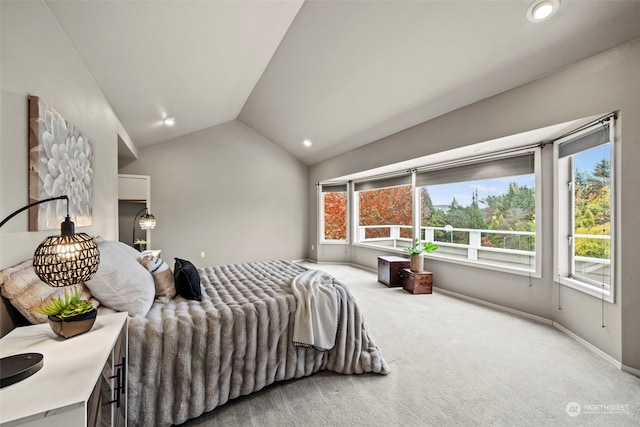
[{"x": 72, "y": 326}]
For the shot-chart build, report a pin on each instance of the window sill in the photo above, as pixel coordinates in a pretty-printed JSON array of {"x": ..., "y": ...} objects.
[
  {"x": 334, "y": 242},
  {"x": 585, "y": 288}
]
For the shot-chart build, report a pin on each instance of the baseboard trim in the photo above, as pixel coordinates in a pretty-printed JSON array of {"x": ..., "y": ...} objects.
[
  {"x": 632, "y": 371},
  {"x": 588, "y": 345},
  {"x": 496, "y": 306},
  {"x": 350, "y": 264}
]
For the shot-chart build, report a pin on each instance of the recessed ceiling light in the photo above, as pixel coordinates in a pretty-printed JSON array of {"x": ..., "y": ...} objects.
[
  {"x": 541, "y": 10},
  {"x": 307, "y": 143},
  {"x": 169, "y": 121}
]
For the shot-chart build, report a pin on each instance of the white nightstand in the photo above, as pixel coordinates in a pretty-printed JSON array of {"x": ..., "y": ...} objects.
[{"x": 82, "y": 382}]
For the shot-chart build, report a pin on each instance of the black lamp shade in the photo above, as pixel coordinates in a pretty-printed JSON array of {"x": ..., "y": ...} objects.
[{"x": 66, "y": 260}]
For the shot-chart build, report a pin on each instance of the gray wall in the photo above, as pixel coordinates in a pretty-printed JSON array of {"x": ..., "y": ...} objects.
[
  {"x": 228, "y": 192},
  {"x": 604, "y": 83},
  {"x": 38, "y": 60}
]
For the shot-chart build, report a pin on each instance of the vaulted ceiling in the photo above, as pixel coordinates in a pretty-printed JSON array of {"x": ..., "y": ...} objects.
[{"x": 339, "y": 73}]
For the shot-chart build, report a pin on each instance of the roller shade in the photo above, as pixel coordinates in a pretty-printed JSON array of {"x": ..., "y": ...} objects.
[
  {"x": 520, "y": 164},
  {"x": 333, "y": 188},
  {"x": 375, "y": 184},
  {"x": 593, "y": 137}
]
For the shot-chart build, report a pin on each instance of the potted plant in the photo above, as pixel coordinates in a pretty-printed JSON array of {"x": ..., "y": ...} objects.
[
  {"x": 140, "y": 245},
  {"x": 417, "y": 260},
  {"x": 69, "y": 314}
]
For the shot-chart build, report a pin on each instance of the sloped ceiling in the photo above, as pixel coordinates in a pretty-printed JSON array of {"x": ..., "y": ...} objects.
[{"x": 340, "y": 73}]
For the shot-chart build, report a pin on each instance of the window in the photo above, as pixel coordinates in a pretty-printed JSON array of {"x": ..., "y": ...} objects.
[
  {"x": 334, "y": 213},
  {"x": 483, "y": 212},
  {"x": 584, "y": 167},
  {"x": 384, "y": 212}
]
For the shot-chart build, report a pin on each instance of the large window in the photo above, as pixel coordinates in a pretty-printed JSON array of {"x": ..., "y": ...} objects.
[
  {"x": 483, "y": 212},
  {"x": 334, "y": 213},
  {"x": 384, "y": 212},
  {"x": 584, "y": 196}
]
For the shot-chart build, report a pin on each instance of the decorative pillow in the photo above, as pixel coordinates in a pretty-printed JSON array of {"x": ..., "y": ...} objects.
[
  {"x": 187, "y": 280},
  {"x": 162, "y": 275},
  {"x": 121, "y": 283},
  {"x": 24, "y": 289}
]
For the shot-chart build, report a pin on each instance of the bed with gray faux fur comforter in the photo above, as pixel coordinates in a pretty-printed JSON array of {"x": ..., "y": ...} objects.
[{"x": 188, "y": 357}]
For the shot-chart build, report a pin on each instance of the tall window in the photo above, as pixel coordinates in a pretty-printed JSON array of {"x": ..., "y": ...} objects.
[
  {"x": 584, "y": 195},
  {"x": 384, "y": 211},
  {"x": 482, "y": 211},
  {"x": 334, "y": 213}
]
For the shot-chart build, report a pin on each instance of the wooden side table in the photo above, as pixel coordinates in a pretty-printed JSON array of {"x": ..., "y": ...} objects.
[
  {"x": 417, "y": 282},
  {"x": 389, "y": 270}
]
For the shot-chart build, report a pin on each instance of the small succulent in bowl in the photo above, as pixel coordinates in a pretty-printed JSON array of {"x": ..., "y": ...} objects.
[
  {"x": 65, "y": 306},
  {"x": 69, "y": 314}
]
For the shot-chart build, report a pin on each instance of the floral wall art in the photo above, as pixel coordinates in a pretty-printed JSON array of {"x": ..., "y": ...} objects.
[{"x": 60, "y": 163}]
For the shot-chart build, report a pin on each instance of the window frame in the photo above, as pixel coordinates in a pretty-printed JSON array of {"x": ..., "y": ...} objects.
[
  {"x": 321, "y": 237},
  {"x": 564, "y": 214},
  {"x": 536, "y": 272},
  {"x": 536, "y": 267},
  {"x": 372, "y": 185}
]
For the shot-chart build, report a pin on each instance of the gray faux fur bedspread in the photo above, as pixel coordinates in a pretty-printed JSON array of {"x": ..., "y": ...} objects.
[{"x": 188, "y": 357}]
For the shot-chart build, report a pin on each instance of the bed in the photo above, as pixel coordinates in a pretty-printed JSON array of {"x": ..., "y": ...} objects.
[{"x": 187, "y": 357}]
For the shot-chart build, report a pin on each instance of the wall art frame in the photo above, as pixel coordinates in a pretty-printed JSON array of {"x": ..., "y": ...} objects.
[{"x": 60, "y": 163}]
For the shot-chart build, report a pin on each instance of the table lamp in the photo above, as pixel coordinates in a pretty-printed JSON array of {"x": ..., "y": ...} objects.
[{"x": 62, "y": 260}]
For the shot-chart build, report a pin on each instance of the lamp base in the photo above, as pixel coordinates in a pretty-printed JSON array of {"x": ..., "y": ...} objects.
[{"x": 18, "y": 367}]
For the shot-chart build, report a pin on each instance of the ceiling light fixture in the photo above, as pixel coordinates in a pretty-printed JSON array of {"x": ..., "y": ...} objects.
[
  {"x": 541, "y": 10},
  {"x": 307, "y": 143},
  {"x": 169, "y": 121}
]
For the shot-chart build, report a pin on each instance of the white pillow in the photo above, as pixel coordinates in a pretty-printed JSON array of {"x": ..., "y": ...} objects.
[
  {"x": 121, "y": 283},
  {"x": 22, "y": 286}
]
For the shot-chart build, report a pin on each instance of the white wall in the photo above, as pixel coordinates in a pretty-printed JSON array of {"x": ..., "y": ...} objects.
[
  {"x": 226, "y": 191},
  {"x": 37, "y": 59},
  {"x": 604, "y": 83}
]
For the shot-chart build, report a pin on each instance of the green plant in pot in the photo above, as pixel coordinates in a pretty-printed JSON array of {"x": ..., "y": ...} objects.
[
  {"x": 416, "y": 251},
  {"x": 69, "y": 314},
  {"x": 140, "y": 245}
]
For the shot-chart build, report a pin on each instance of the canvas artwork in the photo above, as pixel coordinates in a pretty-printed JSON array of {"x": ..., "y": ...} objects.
[{"x": 60, "y": 163}]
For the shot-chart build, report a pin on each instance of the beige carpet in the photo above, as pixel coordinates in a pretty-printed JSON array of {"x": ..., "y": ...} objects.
[{"x": 452, "y": 363}]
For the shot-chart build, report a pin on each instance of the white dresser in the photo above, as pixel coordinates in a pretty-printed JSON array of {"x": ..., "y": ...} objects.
[{"x": 83, "y": 381}]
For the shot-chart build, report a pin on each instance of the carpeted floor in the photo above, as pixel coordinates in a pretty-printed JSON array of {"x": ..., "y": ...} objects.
[{"x": 453, "y": 363}]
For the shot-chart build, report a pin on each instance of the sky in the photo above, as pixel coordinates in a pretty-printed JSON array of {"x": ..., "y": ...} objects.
[{"x": 463, "y": 191}]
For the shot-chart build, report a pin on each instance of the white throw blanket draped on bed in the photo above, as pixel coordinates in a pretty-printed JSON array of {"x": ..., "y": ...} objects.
[{"x": 316, "y": 321}]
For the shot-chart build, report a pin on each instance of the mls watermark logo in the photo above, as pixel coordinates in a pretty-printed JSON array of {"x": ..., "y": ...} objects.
[{"x": 573, "y": 409}]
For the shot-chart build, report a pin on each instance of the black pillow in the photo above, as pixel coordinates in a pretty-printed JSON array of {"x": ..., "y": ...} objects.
[{"x": 187, "y": 280}]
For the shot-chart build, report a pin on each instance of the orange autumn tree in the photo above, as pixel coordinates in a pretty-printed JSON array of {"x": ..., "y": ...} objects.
[
  {"x": 386, "y": 206},
  {"x": 335, "y": 216}
]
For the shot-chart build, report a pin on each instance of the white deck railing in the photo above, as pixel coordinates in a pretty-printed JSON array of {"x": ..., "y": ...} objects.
[{"x": 475, "y": 250}]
